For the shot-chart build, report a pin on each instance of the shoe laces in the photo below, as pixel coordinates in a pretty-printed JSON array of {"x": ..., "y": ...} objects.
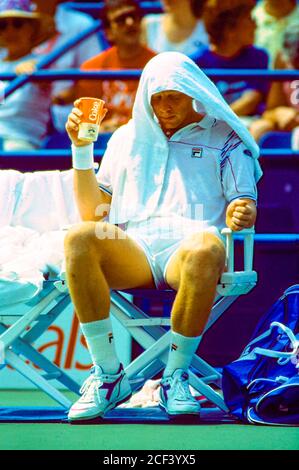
[
  {"x": 181, "y": 386},
  {"x": 89, "y": 386}
]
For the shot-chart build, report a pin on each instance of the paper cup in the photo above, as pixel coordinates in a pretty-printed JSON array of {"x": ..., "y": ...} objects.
[{"x": 90, "y": 120}]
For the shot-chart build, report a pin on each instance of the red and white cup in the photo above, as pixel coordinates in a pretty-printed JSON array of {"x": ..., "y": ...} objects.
[{"x": 92, "y": 109}]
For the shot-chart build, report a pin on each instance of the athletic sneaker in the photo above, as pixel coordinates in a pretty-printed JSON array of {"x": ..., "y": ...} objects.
[
  {"x": 100, "y": 392},
  {"x": 175, "y": 395}
]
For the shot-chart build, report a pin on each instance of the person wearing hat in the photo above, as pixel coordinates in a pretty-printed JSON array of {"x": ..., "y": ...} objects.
[
  {"x": 24, "y": 115},
  {"x": 19, "y": 15}
]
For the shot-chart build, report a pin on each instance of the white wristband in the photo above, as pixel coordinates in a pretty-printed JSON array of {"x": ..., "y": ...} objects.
[{"x": 83, "y": 157}]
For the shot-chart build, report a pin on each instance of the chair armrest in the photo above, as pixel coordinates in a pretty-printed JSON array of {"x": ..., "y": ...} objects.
[
  {"x": 248, "y": 234},
  {"x": 238, "y": 282}
]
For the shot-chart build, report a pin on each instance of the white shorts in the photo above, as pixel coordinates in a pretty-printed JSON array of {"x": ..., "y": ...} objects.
[{"x": 161, "y": 237}]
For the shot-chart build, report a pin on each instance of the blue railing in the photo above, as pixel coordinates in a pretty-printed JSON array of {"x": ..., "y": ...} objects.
[
  {"x": 49, "y": 59},
  {"x": 77, "y": 74},
  {"x": 266, "y": 238},
  {"x": 285, "y": 154}
]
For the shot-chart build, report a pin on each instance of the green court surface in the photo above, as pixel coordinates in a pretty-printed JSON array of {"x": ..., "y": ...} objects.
[{"x": 24, "y": 436}]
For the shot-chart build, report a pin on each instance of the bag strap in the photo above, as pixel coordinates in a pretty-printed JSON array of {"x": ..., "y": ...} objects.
[
  {"x": 278, "y": 380},
  {"x": 279, "y": 354},
  {"x": 268, "y": 332}
]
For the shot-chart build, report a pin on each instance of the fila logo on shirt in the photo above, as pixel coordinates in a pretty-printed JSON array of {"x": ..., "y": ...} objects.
[
  {"x": 196, "y": 152},
  {"x": 174, "y": 347}
]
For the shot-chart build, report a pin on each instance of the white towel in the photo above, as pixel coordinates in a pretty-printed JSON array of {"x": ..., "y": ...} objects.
[
  {"x": 34, "y": 209},
  {"x": 139, "y": 150},
  {"x": 46, "y": 201},
  {"x": 25, "y": 256},
  {"x": 21, "y": 275},
  {"x": 10, "y": 190}
]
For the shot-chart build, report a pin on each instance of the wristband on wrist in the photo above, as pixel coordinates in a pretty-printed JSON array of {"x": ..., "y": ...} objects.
[{"x": 83, "y": 157}]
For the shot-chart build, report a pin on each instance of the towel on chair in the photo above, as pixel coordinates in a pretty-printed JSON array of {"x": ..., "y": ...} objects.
[
  {"x": 138, "y": 151},
  {"x": 34, "y": 208},
  {"x": 46, "y": 201},
  {"x": 26, "y": 256},
  {"x": 10, "y": 184}
]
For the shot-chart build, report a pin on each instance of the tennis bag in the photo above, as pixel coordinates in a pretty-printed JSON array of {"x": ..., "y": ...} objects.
[{"x": 262, "y": 386}]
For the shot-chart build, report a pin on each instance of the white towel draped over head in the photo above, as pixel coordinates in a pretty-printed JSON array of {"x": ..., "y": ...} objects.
[{"x": 140, "y": 148}]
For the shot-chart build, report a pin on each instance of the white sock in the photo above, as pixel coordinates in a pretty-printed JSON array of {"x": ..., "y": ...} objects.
[
  {"x": 100, "y": 342},
  {"x": 181, "y": 352}
]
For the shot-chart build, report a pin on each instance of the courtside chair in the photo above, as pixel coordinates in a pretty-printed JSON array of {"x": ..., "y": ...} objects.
[
  {"x": 153, "y": 334},
  {"x": 21, "y": 325}
]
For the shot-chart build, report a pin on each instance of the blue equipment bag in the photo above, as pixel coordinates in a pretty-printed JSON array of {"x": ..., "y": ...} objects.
[{"x": 262, "y": 386}]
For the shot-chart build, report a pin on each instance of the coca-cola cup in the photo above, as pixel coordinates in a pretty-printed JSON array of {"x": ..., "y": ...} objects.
[{"x": 92, "y": 109}]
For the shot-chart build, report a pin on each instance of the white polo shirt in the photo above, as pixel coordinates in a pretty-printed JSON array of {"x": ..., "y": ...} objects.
[{"x": 207, "y": 167}]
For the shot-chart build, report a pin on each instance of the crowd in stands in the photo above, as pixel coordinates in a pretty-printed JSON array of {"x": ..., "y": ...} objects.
[
  {"x": 216, "y": 34},
  {"x": 123, "y": 30},
  {"x": 231, "y": 34},
  {"x": 180, "y": 28}
]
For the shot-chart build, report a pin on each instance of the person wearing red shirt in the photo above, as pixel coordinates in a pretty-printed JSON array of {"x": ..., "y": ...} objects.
[{"x": 122, "y": 23}]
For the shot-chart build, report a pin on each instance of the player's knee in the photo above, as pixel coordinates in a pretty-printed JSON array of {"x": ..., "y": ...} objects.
[
  {"x": 204, "y": 260},
  {"x": 79, "y": 239}
]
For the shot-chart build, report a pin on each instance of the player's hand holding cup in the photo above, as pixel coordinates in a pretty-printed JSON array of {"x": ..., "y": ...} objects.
[{"x": 84, "y": 121}]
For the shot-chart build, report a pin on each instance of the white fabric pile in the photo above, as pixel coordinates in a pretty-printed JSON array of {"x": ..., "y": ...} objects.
[{"x": 34, "y": 210}]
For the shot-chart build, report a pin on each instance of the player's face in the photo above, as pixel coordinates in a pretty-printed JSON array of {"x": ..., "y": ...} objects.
[{"x": 173, "y": 109}]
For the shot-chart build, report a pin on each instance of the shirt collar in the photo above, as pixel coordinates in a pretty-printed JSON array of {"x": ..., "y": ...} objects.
[{"x": 205, "y": 123}]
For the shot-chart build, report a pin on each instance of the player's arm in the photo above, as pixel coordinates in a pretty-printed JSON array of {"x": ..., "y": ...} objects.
[
  {"x": 239, "y": 183},
  {"x": 93, "y": 204}
]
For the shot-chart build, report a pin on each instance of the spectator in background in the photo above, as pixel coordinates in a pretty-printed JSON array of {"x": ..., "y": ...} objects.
[
  {"x": 179, "y": 29},
  {"x": 69, "y": 23},
  {"x": 282, "y": 113},
  {"x": 24, "y": 115},
  {"x": 231, "y": 32},
  {"x": 122, "y": 22},
  {"x": 273, "y": 18}
]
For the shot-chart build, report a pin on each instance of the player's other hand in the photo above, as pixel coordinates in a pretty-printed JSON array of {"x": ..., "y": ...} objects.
[{"x": 240, "y": 214}]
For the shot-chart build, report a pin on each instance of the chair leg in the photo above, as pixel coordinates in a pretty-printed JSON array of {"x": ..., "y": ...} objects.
[
  {"x": 53, "y": 371},
  {"x": 157, "y": 349},
  {"x": 219, "y": 308},
  {"x": 46, "y": 319},
  {"x": 208, "y": 372},
  {"x": 155, "y": 340},
  {"x": 20, "y": 325},
  {"x": 29, "y": 373},
  {"x": 207, "y": 391}
]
